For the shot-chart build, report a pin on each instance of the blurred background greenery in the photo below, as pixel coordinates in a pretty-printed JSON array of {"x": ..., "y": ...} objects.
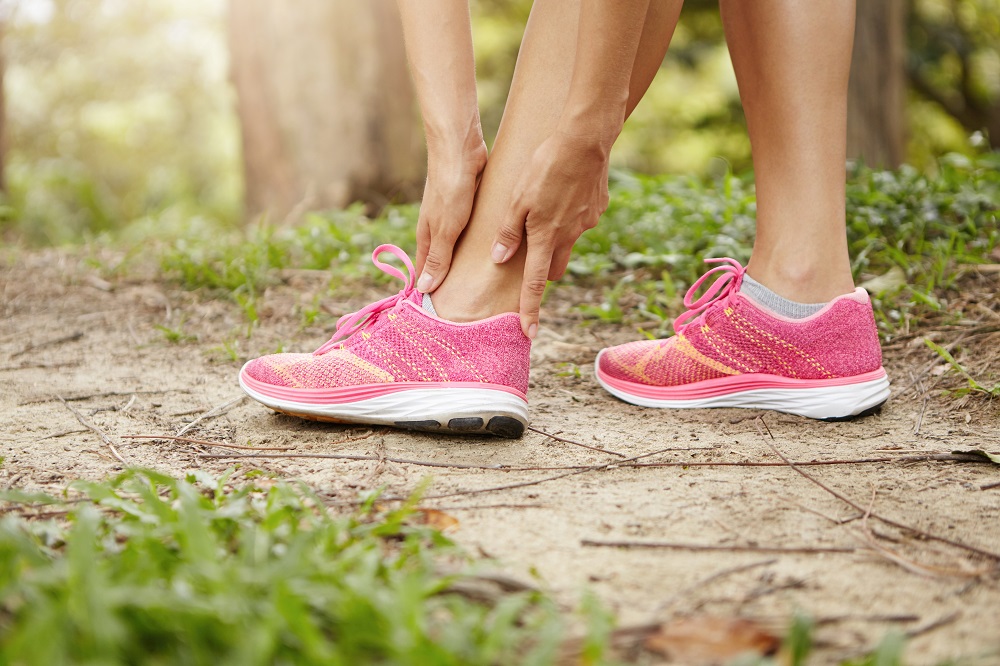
[{"x": 120, "y": 112}]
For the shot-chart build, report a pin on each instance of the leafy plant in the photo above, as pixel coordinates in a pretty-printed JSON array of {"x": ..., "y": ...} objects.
[
  {"x": 974, "y": 384},
  {"x": 150, "y": 569}
]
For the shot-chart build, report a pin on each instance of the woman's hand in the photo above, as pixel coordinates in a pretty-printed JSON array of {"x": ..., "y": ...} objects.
[
  {"x": 452, "y": 178},
  {"x": 561, "y": 194}
]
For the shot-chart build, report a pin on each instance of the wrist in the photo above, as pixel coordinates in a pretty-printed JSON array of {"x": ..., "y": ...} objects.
[
  {"x": 591, "y": 124},
  {"x": 453, "y": 135}
]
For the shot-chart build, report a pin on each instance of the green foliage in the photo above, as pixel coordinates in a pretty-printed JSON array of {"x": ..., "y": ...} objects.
[
  {"x": 913, "y": 229},
  {"x": 116, "y": 111},
  {"x": 889, "y": 652},
  {"x": 954, "y": 62},
  {"x": 974, "y": 384},
  {"x": 149, "y": 569}
]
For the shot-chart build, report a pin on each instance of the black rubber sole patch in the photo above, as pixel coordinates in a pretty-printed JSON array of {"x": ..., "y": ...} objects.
[
  {"x": 500, "y": 426},
  {"x": 505, "y": 426},
  {"x": 868, "y": 412},
  {"x": 466, "y": 424}
]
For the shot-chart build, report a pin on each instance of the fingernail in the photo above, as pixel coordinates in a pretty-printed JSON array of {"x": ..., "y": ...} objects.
[
  {"x": 424, "y": 283},
  {"x": 533, "y": 331},
  {"x": 499, "y": 252}
]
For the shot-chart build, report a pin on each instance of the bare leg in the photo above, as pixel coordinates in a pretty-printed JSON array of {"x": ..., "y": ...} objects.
[
  {"x": 792, "y": 59},
  {"x": 476, "y": 287}
]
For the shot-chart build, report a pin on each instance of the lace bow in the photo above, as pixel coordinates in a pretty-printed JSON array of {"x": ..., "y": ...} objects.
[
  {"x": 350, "y": 324},
  {"x": 727, "y": 283}
]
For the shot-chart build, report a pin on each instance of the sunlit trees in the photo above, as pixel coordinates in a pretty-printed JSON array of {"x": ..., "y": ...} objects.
[
  {"x": 325, "y": 104},
  {"x": 876, "y": 110}
]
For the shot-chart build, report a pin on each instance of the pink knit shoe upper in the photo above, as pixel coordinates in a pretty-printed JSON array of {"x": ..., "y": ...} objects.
[
  {"x": 725, "y": 333},
  {"x": 395, "y": 340}
]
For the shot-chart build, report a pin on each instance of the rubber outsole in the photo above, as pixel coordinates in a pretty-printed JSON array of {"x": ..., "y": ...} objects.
[
  {"x": 839, "y": 400},
  {"x": 461, "y": 411}
]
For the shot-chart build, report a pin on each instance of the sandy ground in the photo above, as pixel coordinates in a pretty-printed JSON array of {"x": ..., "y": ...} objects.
[{"x": 64, "y": 331}]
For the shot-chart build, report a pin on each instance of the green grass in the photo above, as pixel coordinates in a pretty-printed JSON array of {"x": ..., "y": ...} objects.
[
  {"x": 153, "y": 570},
  {"x": 912, "y": 228},
  {"x": 147, "y": 569}
]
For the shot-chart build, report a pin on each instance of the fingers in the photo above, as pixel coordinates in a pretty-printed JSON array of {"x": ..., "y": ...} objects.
[
  {"x": 437, "y": 261},
  {"x": 536, "y": 271},
  {"x": 423, "y": 243},
  {"x": 510, "y": 233},
  {"x": 560, "y": 260}
]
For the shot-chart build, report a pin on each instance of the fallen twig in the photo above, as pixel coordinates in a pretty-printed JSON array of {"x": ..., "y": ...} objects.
[
  {"x": 62, "y": 434},
  {"x": 624, "y": 464},
  {"x": 711, "y": 579},
  {"x": 936, "y": 624},
  {"x": 746, "y": 548},
  {"x": 570, "y": 441},
  {"x": 511, "y": 486},
  {"x": 349, "y": 456},
  {"x": 887, "y": 521},
  {"x": 474, "y": 507},
  {"x": 72, "y": 337},
  {"x": 215, "y": 411},
  {"x": 204, "y": 442},
  {"x": 38, "y": 366},
  {"x": 106, "y": 394},
  {"x": 104, "y": 437}
]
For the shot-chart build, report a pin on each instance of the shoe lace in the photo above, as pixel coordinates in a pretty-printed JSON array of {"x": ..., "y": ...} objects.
[
  {"x": 731, "y": 276},
  {"x": 351, "y": 323}
]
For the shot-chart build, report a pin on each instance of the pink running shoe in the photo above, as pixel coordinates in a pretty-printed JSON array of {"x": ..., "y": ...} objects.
[
  {"x": 729, "y": 351},
  {"x": 393, "y": 363}
]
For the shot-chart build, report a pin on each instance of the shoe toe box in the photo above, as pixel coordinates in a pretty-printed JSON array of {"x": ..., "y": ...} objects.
[{"x": 284, "y": 370}]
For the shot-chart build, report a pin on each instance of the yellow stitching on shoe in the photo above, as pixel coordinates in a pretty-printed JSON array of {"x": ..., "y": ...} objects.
[
  {"x": 406, "y": 332},
  {"x": 447, "y": 346},
  {"x": 787, "y": 345},
  {"x": 685, "y": 347}
]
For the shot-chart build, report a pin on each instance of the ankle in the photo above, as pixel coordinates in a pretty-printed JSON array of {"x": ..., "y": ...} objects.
[
  {"x": 803, "y": 282},
  {"x": 461, "y": 301}
]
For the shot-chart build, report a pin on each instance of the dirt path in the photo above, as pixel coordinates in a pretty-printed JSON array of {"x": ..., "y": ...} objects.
[{"x": 63, "y": 331}]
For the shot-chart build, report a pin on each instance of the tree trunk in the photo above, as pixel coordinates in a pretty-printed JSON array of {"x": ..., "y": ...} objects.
[
  {"x": 3, "y": 114},
  {"x": 876, "y": 108},
  {"x": 327, "y": 111}
]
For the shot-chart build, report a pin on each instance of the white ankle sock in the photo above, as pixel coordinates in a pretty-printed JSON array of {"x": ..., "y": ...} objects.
[
  {"x": 427, "y": 305},
  {"x": 772, "y": 301}
]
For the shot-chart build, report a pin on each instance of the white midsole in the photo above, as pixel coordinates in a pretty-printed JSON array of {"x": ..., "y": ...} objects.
[
  {"x": 438, "y": 404},
  {"x": 828, "y": 402}
]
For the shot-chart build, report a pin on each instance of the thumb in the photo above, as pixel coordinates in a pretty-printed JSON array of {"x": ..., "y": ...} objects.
[{"x": 509, "y": 235}]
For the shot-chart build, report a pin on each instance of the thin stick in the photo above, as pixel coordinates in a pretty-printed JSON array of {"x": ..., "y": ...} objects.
[
  {"x": 107, "y": 394},
  {"x": 570, "y": 441},
  {"x": 38, "y": 366},
  {"x": 62, "y": 434},
  {"x": 698, "y": 547},
  {"x": 887, "y": 521},
  {"x": 833, "y": 619},
  {"x": 990, "y": 486},
  {"x": 625, "y": 464},
  {"x": 348, "y": 456},
  {"x": 215, "y": 411},
  {"x": 100, "y": 433},
  {"x": 920, "y": 419},
  {"x": 936, "y": 624},
  {"x": 207, "y": 443},
  {"x": 524, "y": 484},
  {"x": 711, "y": 579},
  {"x": 473, "y": 507},
  {"x": 72, "y": 337}
]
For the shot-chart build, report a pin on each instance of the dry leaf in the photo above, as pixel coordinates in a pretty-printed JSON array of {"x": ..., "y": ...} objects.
[
  {"x": 706, "y": 640},
  {"x": 439, "y": 520}
]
